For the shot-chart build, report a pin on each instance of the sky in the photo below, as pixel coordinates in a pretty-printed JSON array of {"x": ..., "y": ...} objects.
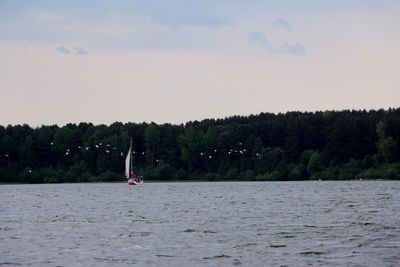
[{"x": 173, "y": 61}]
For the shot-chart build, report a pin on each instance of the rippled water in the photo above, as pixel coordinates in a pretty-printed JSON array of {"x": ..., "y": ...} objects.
[{"x": 354, "y": 223}]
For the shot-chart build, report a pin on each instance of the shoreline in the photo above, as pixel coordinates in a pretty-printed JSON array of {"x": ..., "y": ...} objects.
[{"x": 199, "y": 181}]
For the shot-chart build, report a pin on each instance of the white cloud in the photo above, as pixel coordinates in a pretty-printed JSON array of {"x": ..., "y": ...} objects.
[
  {"x": 63, "y": 50},
  {"x": 280, "y": 22},
  {"x": 293, "y": 49},
  {"x": 80, "y": 51},
  {"x": 258, "y": 38}
]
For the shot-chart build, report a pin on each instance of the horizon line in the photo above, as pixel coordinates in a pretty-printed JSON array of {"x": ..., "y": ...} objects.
[{"x": 205, "y": 119}]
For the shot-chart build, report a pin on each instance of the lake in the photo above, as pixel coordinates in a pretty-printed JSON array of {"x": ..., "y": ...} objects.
[{"x": 318, "y": 223}]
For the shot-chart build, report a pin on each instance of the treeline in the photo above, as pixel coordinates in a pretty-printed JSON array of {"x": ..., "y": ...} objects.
[{"x": 291, "y": 146}]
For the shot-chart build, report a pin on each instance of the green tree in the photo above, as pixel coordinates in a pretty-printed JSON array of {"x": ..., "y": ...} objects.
[
  {"x": 314, "y": 163},
  {"x": 386, "y": 145},
  {"x": 152, "y": 138}
]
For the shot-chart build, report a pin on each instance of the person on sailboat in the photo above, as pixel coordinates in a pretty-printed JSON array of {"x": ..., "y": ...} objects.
[{"x": 135, "y": 177}]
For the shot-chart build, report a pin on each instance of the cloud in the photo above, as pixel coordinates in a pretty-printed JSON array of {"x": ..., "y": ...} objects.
[
  {"x": 80, "y": 51},
  {"x": 280, "y": 22},
  {"x": 258, "y": 38},
  {"x": 293, "y": 49},
  {"x": 63, "y": 50}
]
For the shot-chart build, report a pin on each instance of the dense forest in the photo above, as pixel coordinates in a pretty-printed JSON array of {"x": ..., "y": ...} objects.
[{"x": 291, "y": 146}]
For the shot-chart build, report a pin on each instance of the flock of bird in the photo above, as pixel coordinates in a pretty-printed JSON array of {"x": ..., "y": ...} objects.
[{"x": 108, "y": 149}]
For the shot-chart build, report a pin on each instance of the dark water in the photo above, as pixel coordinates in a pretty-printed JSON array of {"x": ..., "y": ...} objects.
[{"x": 351, "y": 223}]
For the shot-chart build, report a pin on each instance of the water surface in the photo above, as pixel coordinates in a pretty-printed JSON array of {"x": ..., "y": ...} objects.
[{"x": 346, "y": 223}]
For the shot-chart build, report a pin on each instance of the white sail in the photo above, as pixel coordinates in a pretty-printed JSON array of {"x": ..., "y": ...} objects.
[
  {"x": 128, "y": 162},
  {"x": 134, "y": 180}
]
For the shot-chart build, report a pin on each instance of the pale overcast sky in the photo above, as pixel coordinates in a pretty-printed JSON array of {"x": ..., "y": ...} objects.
[{"x": 179, "y": 60}]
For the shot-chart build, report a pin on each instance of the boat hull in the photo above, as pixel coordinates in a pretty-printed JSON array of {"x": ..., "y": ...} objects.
[{"x": 133, "y": 182}]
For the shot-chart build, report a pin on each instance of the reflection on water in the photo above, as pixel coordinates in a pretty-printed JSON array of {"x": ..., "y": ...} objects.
[{"x": 204, "y": 224}]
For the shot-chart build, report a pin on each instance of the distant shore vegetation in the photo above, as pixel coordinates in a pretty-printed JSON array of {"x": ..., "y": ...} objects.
[{"x": 330, "y": 145}]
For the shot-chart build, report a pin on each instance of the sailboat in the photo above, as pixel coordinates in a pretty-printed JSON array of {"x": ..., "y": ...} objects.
[{"x": 133, "y": 178}]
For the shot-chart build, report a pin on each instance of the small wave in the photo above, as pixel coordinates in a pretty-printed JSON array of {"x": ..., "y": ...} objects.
[
  {"x": 145, "y": 233},
  {"x": 6, "y": 228},
  {"x": 289, "y": 236},
  {"x": 328, "y": 210},
  {"x": 362, "y": 223},
  {"x": 217, "y": 257},
  {"x": 236, "y": 262},
  {"x": 209, "y": 232},
  {"x": 284, "y": 233},
  {"x": 189, "y": 231},
  {"x": 388, "y": 227},
  {"x": 106, "y": 259},
  {"x": 245, "y": 245},
  {"x": 184, "y": 211},
  {"x": 10, "y": 263},
  {"x": 131, "y": 234},
  {"x": 135, "y": 220},
  {"x": 277, "y": 246},
  {"x": 367, "y": 223},
  {"x": 309, "y": 226},
  {"x": 292, "y": 234},
  {"x": 114, "y": 260},
  {"x": 312, "y": 253},
  {"x": 165, "y": 256}
]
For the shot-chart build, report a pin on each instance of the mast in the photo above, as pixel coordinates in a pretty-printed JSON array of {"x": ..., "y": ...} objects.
[{"x": 130, "y": 162}]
